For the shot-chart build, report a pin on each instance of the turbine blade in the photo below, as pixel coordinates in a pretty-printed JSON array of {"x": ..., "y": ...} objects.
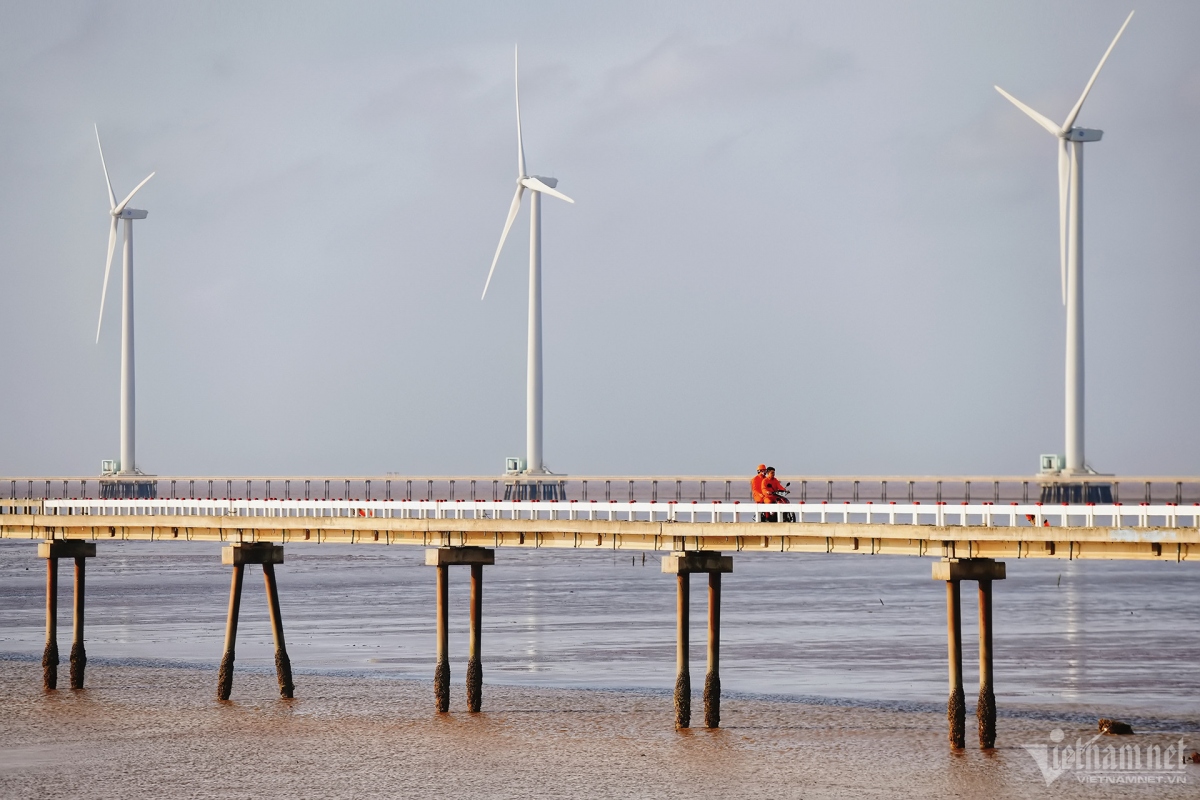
[
  {"x": 512, "y": 214},
  {"x": 112, "y": 200},
  {"x": 537, "y": 186},
  {"x": 125, "y": 202},
  {"x": 1075, "y": 111},
  {"x": 112, "y": 243},
  {"x": 1038, "y": 118},
  {"x": 1064, "y": 196},
  {"x": 520, "y": 142}
]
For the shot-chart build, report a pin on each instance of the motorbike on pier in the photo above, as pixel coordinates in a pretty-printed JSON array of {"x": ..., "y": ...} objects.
[{"x": 778, "y": 496}]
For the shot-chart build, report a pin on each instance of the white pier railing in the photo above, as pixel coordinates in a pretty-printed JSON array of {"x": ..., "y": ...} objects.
[{"x": 1168, "y": 515}]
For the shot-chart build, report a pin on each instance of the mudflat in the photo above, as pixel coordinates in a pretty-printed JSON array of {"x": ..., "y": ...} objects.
[{"x": 140, "y": 731}]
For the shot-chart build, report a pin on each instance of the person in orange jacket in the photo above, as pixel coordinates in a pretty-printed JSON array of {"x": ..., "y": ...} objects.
[
  {"x": 772, "y": 489},
  {"x": 756, "y": 483}
]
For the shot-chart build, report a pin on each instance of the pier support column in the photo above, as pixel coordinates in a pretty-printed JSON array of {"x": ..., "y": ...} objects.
[
  {"x": 953, "y": 571},
  {"x": 52, "y": 551},
  {"x": 238, "y": 556},
  {"x": 474, "y": 662},
  {"x": 283, "y": 664},
  {"x": 441, "y": 672},
  {"x": 985, "y": 710},
  {"x": 443, "y": 558},
  {"x": 712, "y": 676},
  {"x": 956, "y": 706},
  {"x": 682, "y": 565},
  {"x": 50, "y": 654},
  {"x": 683, "y": 678},
  {"x": 78, "y": 654},
  {"x": 225, "y": 676}
]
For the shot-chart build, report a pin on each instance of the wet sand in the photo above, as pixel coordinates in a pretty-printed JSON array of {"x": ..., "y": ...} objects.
[
  {"x": 834, "y": 670},
  {"x": 158, "y": 732}
]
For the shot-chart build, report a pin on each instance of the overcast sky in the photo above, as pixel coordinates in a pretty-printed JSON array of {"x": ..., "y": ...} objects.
[{"x": 805, "y": 233}]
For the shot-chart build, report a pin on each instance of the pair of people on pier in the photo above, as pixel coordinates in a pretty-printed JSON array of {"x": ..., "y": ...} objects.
[{"x": 766, "y": 488}]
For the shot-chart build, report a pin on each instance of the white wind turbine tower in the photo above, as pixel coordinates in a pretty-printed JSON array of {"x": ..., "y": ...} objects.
[
  {"x": 537, "y": 185},
  {"x": 121, "y": 211},
  {"x": 1070, "y": 215}
]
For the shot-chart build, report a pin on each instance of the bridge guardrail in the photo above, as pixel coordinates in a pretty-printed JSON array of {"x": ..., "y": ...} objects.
[{"x": 1117, "y": 515}]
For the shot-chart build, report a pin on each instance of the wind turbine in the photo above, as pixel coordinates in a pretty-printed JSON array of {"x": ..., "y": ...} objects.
[
  {"x": 1070, "y": 228},
  {"x": 537, "y": 185},
  {"x": 121, "y": 211}
]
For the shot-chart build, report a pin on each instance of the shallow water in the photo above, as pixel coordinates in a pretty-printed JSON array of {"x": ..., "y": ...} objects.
[{"x": 833, "y": 669}]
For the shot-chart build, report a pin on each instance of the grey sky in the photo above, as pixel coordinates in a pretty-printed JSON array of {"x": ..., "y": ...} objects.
[{"x": 807, "y": 233}]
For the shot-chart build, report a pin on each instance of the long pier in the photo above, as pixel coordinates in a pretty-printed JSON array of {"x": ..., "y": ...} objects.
[{"x": 963, "y": 540}]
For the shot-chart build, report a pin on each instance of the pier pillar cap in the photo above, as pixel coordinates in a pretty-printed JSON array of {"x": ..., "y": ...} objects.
[
  {"x": 66, "y": 548},
  {"x": 696, "y": 561},
  {"x": 450, "y": 556},
  {"x": 252, "y": 553},
  {"x": 968, "y": 569}
]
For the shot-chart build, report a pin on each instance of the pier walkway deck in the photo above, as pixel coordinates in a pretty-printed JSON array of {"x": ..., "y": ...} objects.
[{"x": 1160, "y": 532}]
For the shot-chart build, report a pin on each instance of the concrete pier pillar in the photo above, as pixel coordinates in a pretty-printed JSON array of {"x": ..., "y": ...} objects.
[
  {"x": 712, "y": 676},
  {"x": 953, "y": 571},
  {"x": 225, "y": 675},
  {"x": 474, "y": 650},
  {"x": 443, "y": 558},
  {"x": 50, "y": 654},
  {"x": 78, "y": 654},
  {"x": 956, "y": 706},
  {"x": 441, "y": 672},
  {"x": 683, "y": 679},
  {"x": 52, "y": 551},
  {"x": 985, "y": 710},
  {"x": 682, "y": 565},
  {"x": 238, "y": 556},
  {"x": 283, "y": 665}
]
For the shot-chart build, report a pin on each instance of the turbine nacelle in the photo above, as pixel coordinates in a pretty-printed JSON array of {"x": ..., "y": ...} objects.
[
  {"x": 1083, "y": 135},
  {"x": 542, "y": 186},
  {"x": 131, "y": 213}
]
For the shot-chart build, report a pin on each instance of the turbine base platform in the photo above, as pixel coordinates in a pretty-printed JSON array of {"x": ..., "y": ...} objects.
[
  {"x": 1076, "y": 493},
  {"x": 530, "y": 488},
  {"x": 128, "y": 489}
]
